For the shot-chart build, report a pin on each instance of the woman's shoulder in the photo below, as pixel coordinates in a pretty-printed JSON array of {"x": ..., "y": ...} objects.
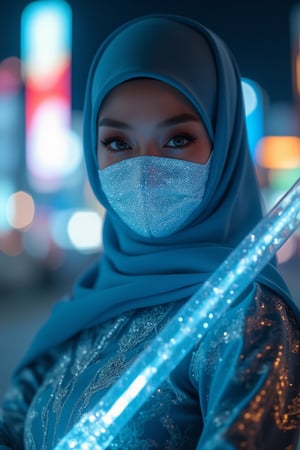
[
  {"x": 271, "y": 306},
  {"x": 261, "y": 319}
]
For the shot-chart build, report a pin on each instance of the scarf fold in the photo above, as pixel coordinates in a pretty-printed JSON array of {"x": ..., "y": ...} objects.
[{"x": 135, "y": 272}]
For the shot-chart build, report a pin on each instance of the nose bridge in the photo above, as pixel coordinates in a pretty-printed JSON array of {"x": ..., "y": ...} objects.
[{"x": 150, "y": 148}]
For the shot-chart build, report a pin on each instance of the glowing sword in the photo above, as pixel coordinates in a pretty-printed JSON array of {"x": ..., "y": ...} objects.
[{"x": 98, "y": 427}]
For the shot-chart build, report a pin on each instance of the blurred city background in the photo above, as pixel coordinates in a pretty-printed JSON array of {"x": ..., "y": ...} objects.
[{"x": 50, "y": 223}]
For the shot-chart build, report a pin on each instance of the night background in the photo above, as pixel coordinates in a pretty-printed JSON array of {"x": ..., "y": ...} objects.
[{"x": 39, "y": 262}]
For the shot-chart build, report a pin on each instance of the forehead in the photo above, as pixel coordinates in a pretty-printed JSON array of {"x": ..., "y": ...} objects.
[{"x": 145, "y": 92}]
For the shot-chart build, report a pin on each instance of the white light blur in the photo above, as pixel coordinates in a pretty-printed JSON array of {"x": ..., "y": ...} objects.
[
  {"x": 250, "y": 98},
  {"x": 85, "y": 230},
  {"x": 55, "y": 151}
]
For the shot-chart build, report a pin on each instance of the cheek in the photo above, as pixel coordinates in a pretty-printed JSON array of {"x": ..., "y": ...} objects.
[
  {"x": 107, "y": 158},
  {"x": 207, "y": 151},
  {"x": 201, "y": 151}
]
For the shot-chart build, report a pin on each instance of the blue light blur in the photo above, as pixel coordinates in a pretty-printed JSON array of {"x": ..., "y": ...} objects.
[{"x": 253, "y": 99}]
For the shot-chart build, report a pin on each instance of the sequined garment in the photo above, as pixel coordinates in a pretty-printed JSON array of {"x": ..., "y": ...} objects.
[{"x": 238, "y": 389}]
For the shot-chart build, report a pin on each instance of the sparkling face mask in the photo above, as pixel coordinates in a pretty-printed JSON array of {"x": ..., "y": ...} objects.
[{"x": 154, "y": 196}]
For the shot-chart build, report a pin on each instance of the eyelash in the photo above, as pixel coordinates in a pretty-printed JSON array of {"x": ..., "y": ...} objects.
[
  {"x": 186, "y": 136},
  {"x": 106, "y": 142}
]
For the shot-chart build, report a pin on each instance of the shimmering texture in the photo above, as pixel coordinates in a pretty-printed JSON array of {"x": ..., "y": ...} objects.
[
  {"x": 252, "y": 353},
  {"x": 177, "y": 339},
  {"x": 154, "y": 196}
]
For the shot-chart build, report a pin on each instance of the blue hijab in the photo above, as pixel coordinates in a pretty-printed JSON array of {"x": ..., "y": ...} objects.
[{"x": 136, "y": 272}]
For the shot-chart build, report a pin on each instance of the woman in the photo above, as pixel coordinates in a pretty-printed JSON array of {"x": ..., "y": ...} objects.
[{"x": 166, "y": 153}]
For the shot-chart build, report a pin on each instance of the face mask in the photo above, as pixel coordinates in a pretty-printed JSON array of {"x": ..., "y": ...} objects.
[{"x": 154, "y": 196}]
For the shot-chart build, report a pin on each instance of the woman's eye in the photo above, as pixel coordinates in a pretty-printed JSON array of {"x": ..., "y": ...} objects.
[
  {"x": 115, "y": 144},
  {"x": 180, "y": 141}
]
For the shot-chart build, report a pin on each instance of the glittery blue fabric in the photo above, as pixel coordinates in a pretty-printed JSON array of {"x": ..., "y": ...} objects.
[
  {"x": 154, "y": 196},
  {"x": 238, "y": 389},
  {"x": 135, "y": 271}
]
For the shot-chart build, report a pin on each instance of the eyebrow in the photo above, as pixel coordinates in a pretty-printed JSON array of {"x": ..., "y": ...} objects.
[{"x": 165, "y": 123}]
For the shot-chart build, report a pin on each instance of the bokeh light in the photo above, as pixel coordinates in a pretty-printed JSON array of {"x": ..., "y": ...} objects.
[
  {"x": 48, "y": 41},
  {"x": 51, "y": 150},
  {"x": 278, "y": 152},
  {"x": 20, "y": 210},
  {"x": 85, "y": 230},
  {"x": 55, "y": 150},
  {"x": 59, "y": 228},
  {"x": 6, "y": 190},
  {"x": 250, "y": 96},
  {"x": 254, "y": 112}
]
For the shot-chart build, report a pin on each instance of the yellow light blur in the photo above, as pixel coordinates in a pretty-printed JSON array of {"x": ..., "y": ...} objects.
[
  {"x": 278, "y": 152},
  {"x": 20, "y": 210}
]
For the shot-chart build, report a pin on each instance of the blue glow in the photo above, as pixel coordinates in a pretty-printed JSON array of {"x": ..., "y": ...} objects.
[
  {"x": 46, "y": 32},
  {"x": 6, "y": 190},
  {"x": 59, "y": 228},
  {"x": 253, "y": 100},
  {"x": 11, "y": 121}
]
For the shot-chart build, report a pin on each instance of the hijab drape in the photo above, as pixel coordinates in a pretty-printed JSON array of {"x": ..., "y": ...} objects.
[{"x": 135, "y": 272}]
